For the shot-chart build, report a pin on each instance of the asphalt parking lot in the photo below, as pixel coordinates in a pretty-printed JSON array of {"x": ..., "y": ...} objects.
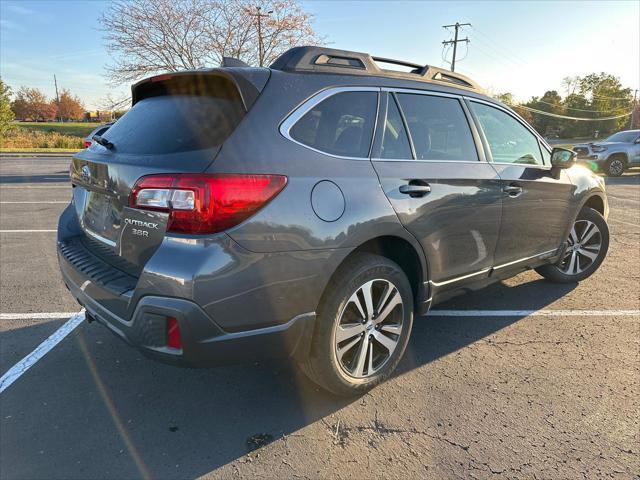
[{"x": 507, "y": 396}]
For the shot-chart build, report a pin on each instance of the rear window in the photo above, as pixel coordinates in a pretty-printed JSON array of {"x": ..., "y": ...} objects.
[
  {"x": 100, "y": 131},
  {"x": 168, "y": 122},
  {"x": 340, "y": 125}
]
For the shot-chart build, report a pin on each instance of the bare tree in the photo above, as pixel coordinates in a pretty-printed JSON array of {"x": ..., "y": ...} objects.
[
  {"x": 150, "y": 36},
  {"x": 111, "y": 103}
]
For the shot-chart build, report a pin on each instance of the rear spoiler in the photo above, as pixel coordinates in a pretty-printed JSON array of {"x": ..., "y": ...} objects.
[{"x": 249, "y": 82}]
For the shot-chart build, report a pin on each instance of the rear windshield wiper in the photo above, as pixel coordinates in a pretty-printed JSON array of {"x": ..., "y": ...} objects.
[{"x": 103, "y": 141}]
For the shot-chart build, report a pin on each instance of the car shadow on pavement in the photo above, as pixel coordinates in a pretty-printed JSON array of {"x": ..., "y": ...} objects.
[
  {"x": 435, "y": 336},
  {"x": 94, "y": 407}
]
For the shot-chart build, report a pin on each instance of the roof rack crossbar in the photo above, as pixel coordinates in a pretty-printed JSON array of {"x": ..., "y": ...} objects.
[{"x": 399, "y": 62}]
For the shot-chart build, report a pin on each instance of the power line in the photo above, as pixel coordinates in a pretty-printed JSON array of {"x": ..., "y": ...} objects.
[
  {"x": 555, "y": 115},
  {"x": 609, "y": 98},
  {"x": 571, "y": 108},
  {"x": 510, "y": 56},
  {"x": 506, "y": 59},
  {"x": 455, "y": 41}
]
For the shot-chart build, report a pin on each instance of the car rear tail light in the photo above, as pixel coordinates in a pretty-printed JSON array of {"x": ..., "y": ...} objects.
[
  {"x": 173, "y": 333},
  {"x": 202, "y": 203},
  {"x": 87, "y": 143}
]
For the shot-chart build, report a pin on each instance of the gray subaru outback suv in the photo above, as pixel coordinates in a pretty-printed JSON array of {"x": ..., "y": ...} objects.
[{"x": 311, "y": 209}]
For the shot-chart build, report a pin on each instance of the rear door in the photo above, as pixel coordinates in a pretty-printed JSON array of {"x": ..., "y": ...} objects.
[
  {"x": 177, "y": 125},
  {"x": 536, "y": 203},
  {"x": 438, "y": 183}
]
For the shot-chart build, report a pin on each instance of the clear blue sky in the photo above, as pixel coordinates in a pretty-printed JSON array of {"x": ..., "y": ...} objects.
[{"x": 521, "y": 47}]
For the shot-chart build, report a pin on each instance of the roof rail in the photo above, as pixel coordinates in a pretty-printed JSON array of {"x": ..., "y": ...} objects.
[{"x": 329, "y": 60}]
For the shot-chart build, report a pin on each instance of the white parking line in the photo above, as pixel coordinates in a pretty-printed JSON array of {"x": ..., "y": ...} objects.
[
  {"x": 534, "y": 313},
  {"x": 22, "y": 187},
  {"x": 15, "y": 372},
  {"x": 27, "y": 231},
  {"x": 76, "y": 319},
  {"x": 52, "y": 201},
  {"x": 35, "y": 316}
]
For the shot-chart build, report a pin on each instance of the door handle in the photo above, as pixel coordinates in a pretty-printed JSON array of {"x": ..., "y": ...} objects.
[
  {"x": 513, "y": 190},
  {"x": 415, "y": 190}
]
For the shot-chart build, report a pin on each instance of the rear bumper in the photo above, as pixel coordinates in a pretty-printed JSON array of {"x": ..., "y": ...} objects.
[{"x": 204, "y": 343}]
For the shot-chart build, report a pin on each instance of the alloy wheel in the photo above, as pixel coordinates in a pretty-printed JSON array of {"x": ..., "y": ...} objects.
[
  {"x": 584, "y": 245},
  {"x": 369, "y": 328},
  {"x": 616, "y": 167}
]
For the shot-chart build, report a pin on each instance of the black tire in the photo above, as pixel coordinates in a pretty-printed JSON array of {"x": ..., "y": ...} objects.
[
  {"x": 323, "y": 366},
  {"x": 557, "y": 272},
  {"x": 616, "y": 166}
]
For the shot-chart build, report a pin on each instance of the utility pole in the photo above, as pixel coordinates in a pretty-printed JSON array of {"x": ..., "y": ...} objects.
[
  {"x": 259, "y": 16},
  {"x": 455, "y": 41},
  {"x": 55, "y": 82},
  {"x": 635, "y": 107}
]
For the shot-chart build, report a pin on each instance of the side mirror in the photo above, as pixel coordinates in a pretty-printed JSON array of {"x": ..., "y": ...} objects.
[{"x": 563, "y": 158}]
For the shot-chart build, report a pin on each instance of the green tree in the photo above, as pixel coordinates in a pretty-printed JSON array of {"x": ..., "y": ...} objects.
[
  {"x": 550, "y": 102},
  {"x": 607, "y": 98},
  {"x": 6, "y": 114},
  {"x": 507, "y": 99},
  {"x": 577, "y": 105},
  {"x": 590, "y": 97}
]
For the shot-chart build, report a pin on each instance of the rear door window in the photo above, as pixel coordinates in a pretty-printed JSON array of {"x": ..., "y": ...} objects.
[
  {"x": 395, "y": 143},
  {"x": 438, "y": 126},
  {"x": 339, "y": 125}
]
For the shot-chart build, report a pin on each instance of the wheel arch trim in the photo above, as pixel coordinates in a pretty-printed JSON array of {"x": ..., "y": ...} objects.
[{"x": 379, "y": 245}]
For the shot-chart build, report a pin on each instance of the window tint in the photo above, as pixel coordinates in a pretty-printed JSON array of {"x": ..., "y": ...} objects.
[
  {"x": 438, "y": 127},
  {"x": 509, "y": 140},
  {"x": 340, "y": 125},
  {"x": 395, "y": 143},
  {"x": 175, "y": 123}
]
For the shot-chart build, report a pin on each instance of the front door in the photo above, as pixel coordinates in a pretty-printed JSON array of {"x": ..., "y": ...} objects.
[
  {"x": 535, "y": 203},
  {"x": 634, "y": 152},
  {"x": 438, "y": 183}
]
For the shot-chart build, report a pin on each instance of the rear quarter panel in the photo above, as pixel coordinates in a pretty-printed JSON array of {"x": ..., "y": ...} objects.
[
  {"x": 298, "y": 250},
  {"x": 289, "y": 222}
]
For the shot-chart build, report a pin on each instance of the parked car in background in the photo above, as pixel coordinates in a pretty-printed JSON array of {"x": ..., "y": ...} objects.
[
  {"x": 309, "y": 209},
  {"x": 88, "y": 140},
  {"x": 613, "y": 155}
]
